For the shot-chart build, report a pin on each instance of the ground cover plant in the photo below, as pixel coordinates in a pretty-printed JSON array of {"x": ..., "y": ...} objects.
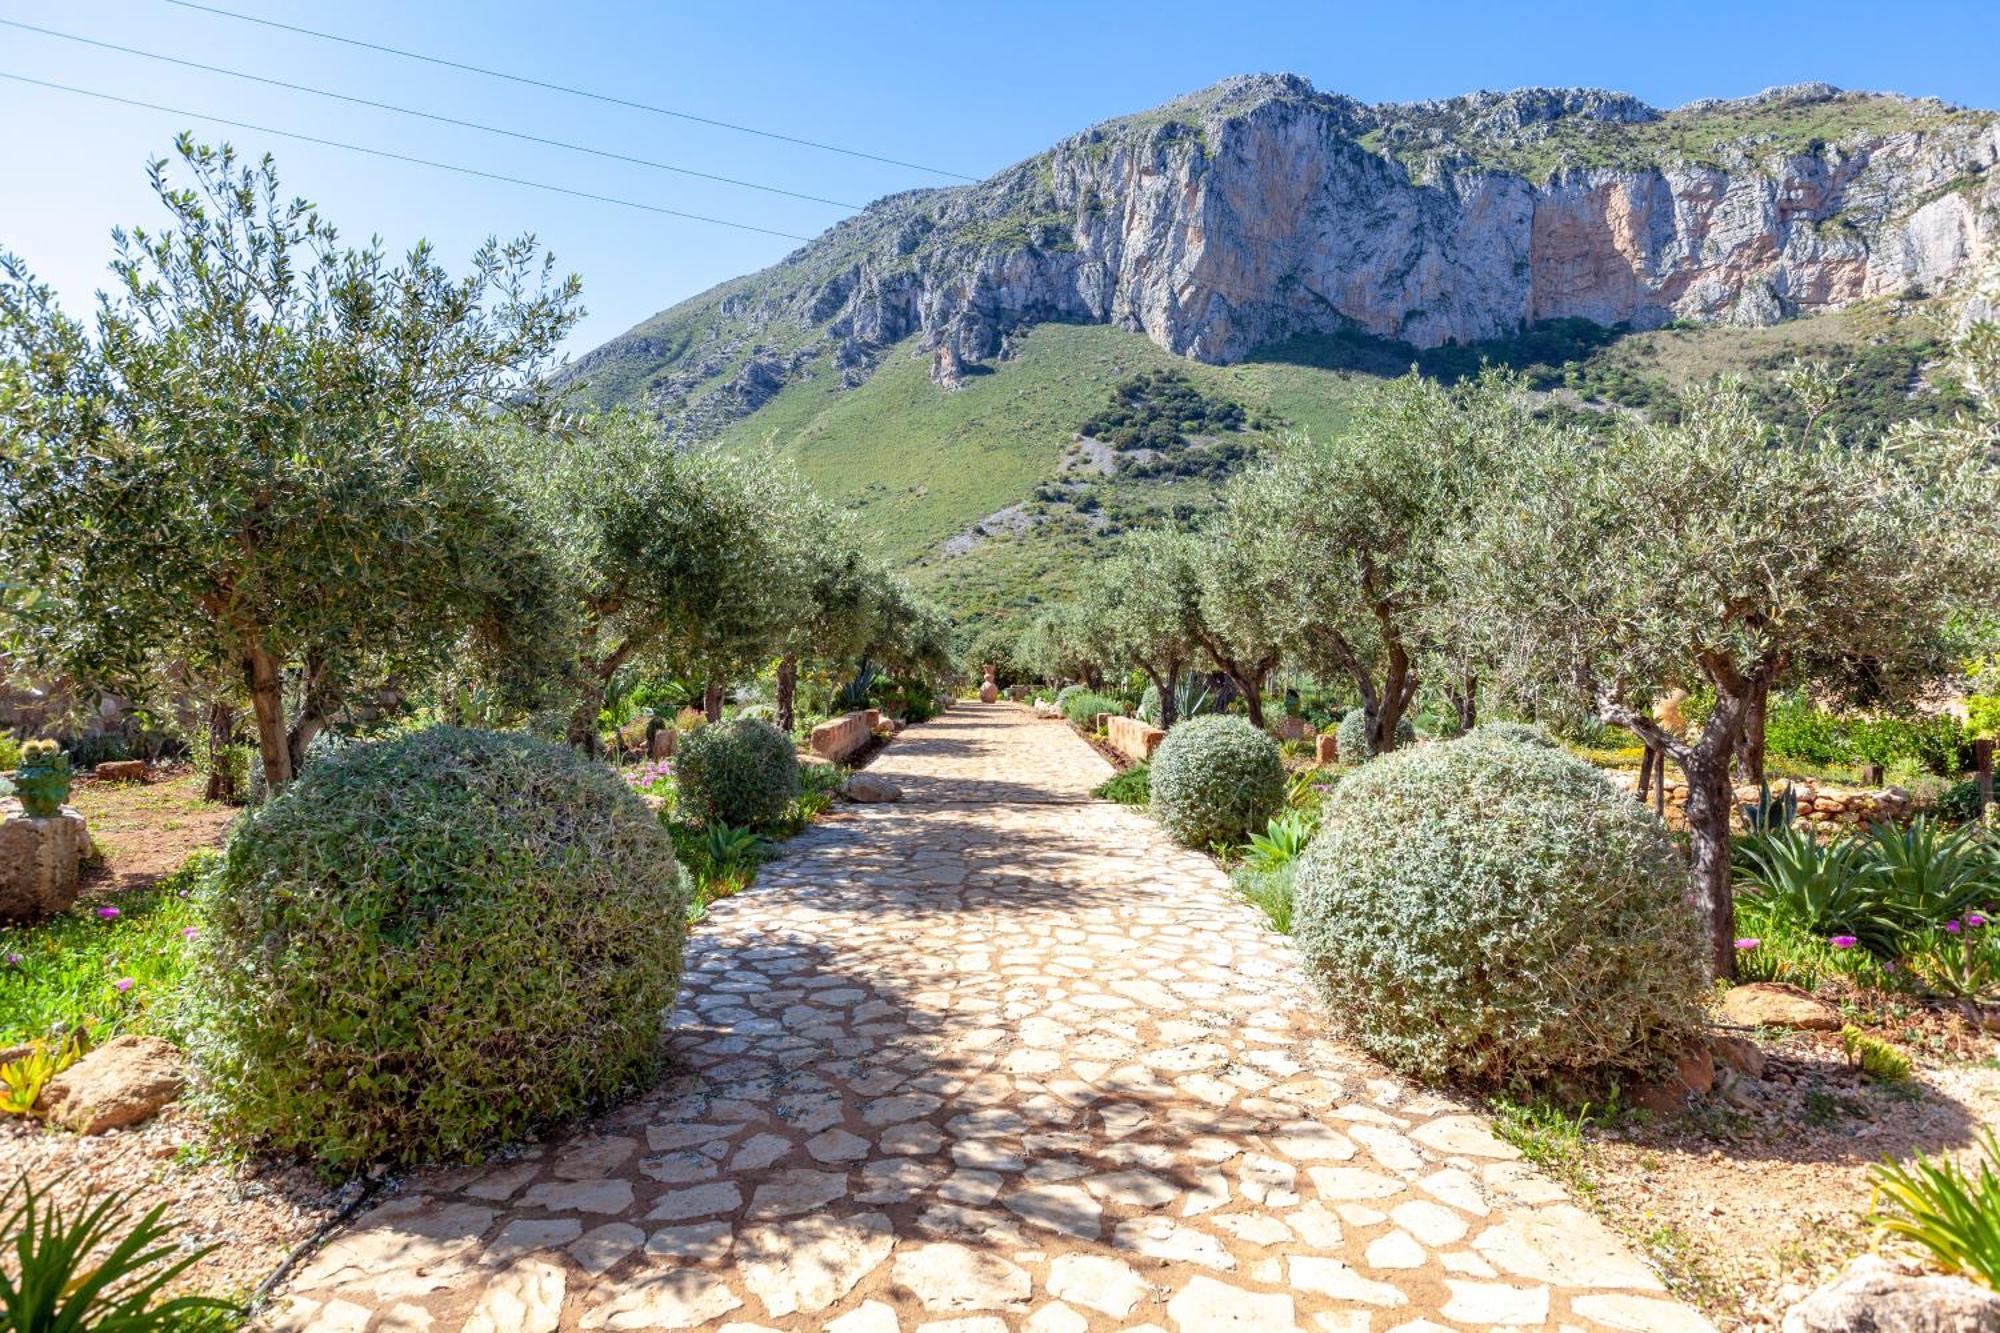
[{"x": 105, "y": 967}]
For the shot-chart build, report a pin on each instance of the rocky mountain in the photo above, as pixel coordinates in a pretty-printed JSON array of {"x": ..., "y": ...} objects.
[{"x": 1262, "y": 209}]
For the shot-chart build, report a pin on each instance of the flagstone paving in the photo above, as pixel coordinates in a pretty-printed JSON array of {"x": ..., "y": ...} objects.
[{"x": 998, "y": 1058}]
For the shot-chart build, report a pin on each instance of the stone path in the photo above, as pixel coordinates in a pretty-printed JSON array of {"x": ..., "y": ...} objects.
[{"x": 997, "y": 1058}]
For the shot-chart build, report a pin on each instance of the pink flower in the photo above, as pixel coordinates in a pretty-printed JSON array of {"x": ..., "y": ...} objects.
[
  {"x": 1974, "y": 920},
  {"x": 1746, "y": 945},
  {"x": 107, "y": 913},
  {"x": 1951, "y": 927},
  {"x": 1843, "y": 941},
  {"x": 122, "y": 985},
  {"x": 189, "y": 932}
]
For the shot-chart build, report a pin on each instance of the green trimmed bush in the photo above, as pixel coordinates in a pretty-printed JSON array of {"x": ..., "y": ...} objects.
[
  {"x": 1487, "y": 912},
  {"x": 1352, "y": 736},
  {"x": 1215, "y": 780},
  {"x": 743, "y": 772},
  {"x": 1520, "y": 733},
  {"x": 433, "y": 943},
  {"x": 1068, "y": 692},
  {"x": 1083, "y": 707}
]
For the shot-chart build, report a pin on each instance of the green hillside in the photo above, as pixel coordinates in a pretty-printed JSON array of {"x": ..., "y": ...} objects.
[
  {"x": 980, "y": 490},
  {"x": 923, "y": 464}
]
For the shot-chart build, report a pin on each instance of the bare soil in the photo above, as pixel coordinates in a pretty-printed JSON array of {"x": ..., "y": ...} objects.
[
  {"x": 144, "y": 830},
  {"x": 1760, "y": 1191}
]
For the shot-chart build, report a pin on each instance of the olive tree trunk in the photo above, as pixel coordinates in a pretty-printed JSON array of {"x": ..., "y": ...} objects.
[{"x": 787, "y": 690}]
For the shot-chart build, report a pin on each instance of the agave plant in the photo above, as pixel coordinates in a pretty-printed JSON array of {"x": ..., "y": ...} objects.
[
  {"x": 1933, "y": 875},
  {"x": 853, "y": 696},
  {"x": 1281, "y": 842},
  {"x": 73, "y": 1270},
  {"x": 1788, "y": 877},
  {"x": 1942, "y": 1208}
]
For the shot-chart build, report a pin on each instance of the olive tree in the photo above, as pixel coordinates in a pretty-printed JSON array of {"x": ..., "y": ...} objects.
[
  {"x": 247, "y": 462},
  {"x": 1717, "y": 552},
  {"x": 681, "y": 559},
  {"x": 1146, "y": 602},
  {"x": 1063, "y": 642},
  {"x": 1241, "y": 570},
  {"x": 1363, "y": 521}
]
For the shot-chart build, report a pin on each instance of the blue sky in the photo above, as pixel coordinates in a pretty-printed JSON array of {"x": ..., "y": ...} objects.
[{"x": 965, "y": 87}]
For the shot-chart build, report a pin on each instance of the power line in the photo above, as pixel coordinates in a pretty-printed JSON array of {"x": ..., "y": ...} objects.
[
  {"x": 423, "y": 115},
  {"x": 403, "y": 157},
  {"x": 565, "y": 88}
]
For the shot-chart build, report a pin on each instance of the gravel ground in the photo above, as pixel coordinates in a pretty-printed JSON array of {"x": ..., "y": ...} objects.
[{"x": 1761, "y": 1192}]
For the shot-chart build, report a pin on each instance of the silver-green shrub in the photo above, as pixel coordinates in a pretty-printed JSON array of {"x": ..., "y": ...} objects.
[
  {"x": 1351, "y": 737},
  {"x": 1488, "y": 912},
  {"x": 1521, "y": 733},
  {"x": 429, "y": 944},
  {"x": 1216, "y": 779},
  {"x": 744, "y": 772}
]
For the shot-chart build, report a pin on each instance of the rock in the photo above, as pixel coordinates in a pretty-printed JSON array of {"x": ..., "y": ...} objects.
[
  {"x": 870, "y": 789},
  {"x": 1739, "y": 1053},
  {"x": 121, "y": 1083},
  {"x": 1771, "y": 1004},
  {"x": 661, "y": 746},
  {"x": 1326, "y": 749},
  {"x": 39, "y": 861},
  {"x": 841, "y": 736},
  {"x": 120, "y": 770},
  {"x": 1872, "y": 1296},
  {"x": 1262, "y": 208}
]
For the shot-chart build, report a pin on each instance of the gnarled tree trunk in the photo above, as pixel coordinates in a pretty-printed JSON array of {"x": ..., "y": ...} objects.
[
  {"x": 787, "y": 690},
  {"x": 712, "y": 701}
]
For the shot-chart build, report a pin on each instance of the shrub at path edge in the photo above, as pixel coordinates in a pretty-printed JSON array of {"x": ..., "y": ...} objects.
[
  {"x": 429, "y": 944},
  {"x": 1216, "y": 779},
  {"x": 743, "y": 772},
  {"x": 1491, "y": 912}
]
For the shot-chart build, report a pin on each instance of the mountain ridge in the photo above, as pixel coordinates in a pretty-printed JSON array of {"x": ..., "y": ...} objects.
[{"x": 1261, "y": 208}]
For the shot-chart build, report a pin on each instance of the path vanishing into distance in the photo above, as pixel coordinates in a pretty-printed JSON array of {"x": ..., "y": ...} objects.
[{"x": 999, "y": 1057}]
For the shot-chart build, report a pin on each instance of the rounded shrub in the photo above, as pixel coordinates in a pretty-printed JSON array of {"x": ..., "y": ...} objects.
[
  {"x": 1068, "y": 692},
  {"x": 1216, "y": 779},
  {"x": 431, "y": 943},
  {"x": 1488, "y": 911},
  {"x": 1520, "y": 733},
  {"x": 1351, "y": 738},
  {"x": 1149, "y": 706},
  {"x": 743, "y": 772}
]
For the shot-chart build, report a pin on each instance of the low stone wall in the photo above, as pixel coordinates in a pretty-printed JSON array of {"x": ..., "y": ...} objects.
[
  {"x": 1824, "y": 808},
  {"x": 841, "y": 736},
  {"x": 1132, "y": 738}
]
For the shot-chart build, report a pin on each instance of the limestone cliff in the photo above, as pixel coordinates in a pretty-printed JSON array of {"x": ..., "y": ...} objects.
[{"x": 1260, "y": 209}]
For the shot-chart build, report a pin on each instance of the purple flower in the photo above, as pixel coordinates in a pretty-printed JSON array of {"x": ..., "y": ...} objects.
[
  {"x": 107, "y": 913},
  {"x": 1951, "y": 927},
  {"x": 1746, "y": 945},
  {"x": 189, "y": 932},
  {"x": 1843, "y": 941},
  {"x": 122, "y": 985},
  {"x": 1975, "y": 920},
  {"x": 13, "y": 960}
]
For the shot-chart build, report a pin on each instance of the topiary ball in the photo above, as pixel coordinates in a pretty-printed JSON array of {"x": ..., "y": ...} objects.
[
  {"x": 744, "y": 772},
  {"x": 428, "y": 944},
  {"x": 1518, "y": 733},
  {"x": 1216, "y": 779},
  {"x": 1488, "y": 912},
  {"x": 1351, "y": 738}
]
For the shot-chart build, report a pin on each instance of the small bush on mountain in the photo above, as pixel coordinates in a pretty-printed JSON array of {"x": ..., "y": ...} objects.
[
  {"x": 744, "y": 772},
  {"x": 432, "y": 943},
  {"x": 1216, "y": 780},
  {"x": 1490, "y": 912}
]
